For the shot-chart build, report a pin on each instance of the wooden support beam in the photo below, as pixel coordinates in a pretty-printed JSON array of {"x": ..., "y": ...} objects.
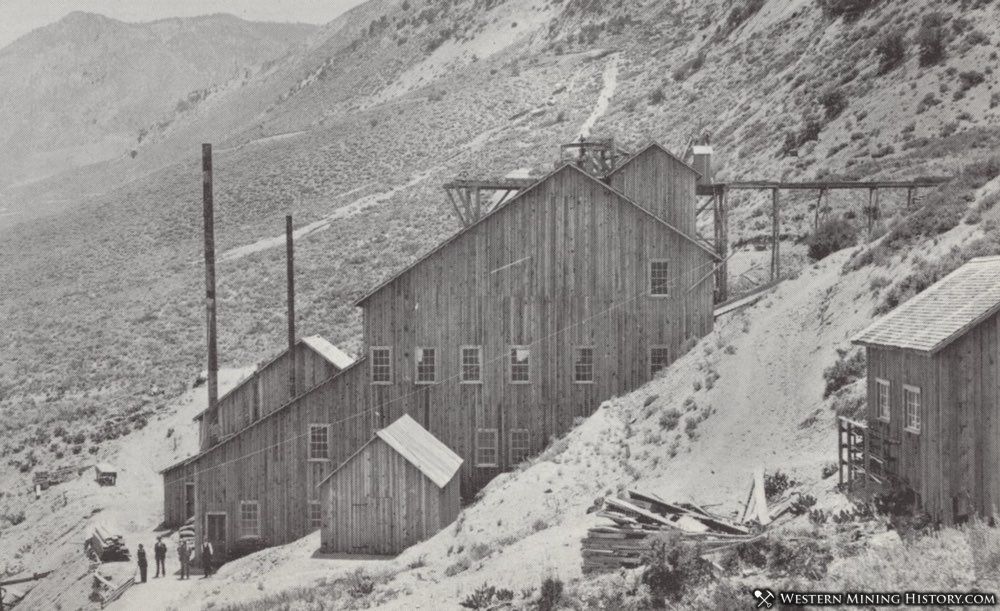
[
  {"x": 721, "y": 244},
  {"x": 760, "y": 185},
  {"x": 775, "y": 236},
  {"x": 454, "y": 206},
  {"x": 819, "y": 206},
  {"x": 290, "y": 272}
]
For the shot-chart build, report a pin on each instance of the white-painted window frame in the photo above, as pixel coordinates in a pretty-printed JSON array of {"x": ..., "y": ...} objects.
[
  {"x": 912, "y": 419},
  {"x": 313, "y": 426},
  {"x": 880, "y": 385},
  {"x": 462, "y": 364},
  {"x": 372, "y": 365},
  {"x": 651, "y": 284},
  {"x": 244, "y": 531}
]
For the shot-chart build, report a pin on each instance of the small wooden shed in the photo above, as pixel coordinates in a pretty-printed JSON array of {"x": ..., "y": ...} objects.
[
  {"x": 105, "y": 474},
  {"x": 398, "y": 489},
  {"x": 933, "y": 417}
]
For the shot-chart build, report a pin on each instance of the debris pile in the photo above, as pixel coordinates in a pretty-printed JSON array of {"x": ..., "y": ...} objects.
[
  {"x": 639, "y": 517},
  {"x": 106, "y": 546}
]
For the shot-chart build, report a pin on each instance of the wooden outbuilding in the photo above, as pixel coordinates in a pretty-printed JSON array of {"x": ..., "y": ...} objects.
[
  {"x": 400, "y": 488},
  {"x": 933, "y": 413},
  {"x": 105, "y": 474}
]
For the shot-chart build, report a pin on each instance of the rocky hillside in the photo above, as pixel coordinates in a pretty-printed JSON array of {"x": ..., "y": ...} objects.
[
  {"x": 88, "y": 87},
  {"x": 355, "y": 130}
]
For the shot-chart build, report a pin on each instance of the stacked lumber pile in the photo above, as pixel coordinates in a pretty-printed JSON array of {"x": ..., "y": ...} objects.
[
  {"x": 637, "y": 519},
  {"x": 44, "y": 480},
  {"x": 105, "y": 545}
]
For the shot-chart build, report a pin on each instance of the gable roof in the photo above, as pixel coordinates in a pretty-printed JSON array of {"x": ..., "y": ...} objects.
[
  {"x": 419, "y": 447},
  {"x": 517, "y": 198},
  {"x": 935, "y": 318},
  {"x": 653, "y": 146},
  {"x": 320, "y": 345}
]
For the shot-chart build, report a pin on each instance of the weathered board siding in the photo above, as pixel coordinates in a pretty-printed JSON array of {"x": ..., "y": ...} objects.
[
  {"x": 268, "y": 462},
  {"x": 379, "y": 503},
  {"x": 661, "y": 183},
  {"x": 580, "y": 278},
  {"x": 267, "y": 389},
  {"x": 954, "y": 462},
  {"x": 174, "y": 499}
]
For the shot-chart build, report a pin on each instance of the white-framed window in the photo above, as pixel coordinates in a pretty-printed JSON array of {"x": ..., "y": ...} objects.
[
  {"x": 381, "y": 357},
  {"x": 250, "y": 518},
  {"x": 911, "y": 401},
  {"x": 315, "y": 515},
  {"x": 520, "y": 365},
  {"x": 472, "y": 364},
  {"x": 583, "y": 365},
  {"x": 319, "y": 442},
  {"x": 659, "y": 357},
  {"x": 882, "y": 406},
  {"x": 426, "y": 359},
  {"x": 659, "y": 277},
  {"x": 520, "y": 445},
  {"x": 487, "y": 452}
]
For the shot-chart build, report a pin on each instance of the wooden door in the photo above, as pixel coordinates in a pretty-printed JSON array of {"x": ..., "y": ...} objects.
[
  {"x": 188, "y": 500},
  {"x": 215, "y": 533},
  {"x": 371, "y": 525}
]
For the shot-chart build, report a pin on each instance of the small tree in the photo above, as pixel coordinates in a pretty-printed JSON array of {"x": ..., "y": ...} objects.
[
  {"x": 833, "y": 235},
  {"x": 848, "y": 9},
  {"x": 891, "y": 48},
  {"x": 932, "y": 39}
]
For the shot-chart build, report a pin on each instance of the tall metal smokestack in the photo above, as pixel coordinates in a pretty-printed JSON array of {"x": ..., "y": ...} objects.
[
  {"x": 290, "y": 257},
  {"x": 212, "y": 416}
]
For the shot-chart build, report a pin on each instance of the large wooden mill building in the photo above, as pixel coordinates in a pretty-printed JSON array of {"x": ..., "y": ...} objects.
[
  {"x": 933, "y": 412},
  {"x": 576, "y": 289}
]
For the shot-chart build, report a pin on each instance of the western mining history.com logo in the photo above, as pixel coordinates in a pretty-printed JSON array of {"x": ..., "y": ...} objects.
[{"x": 765, "y": 598}]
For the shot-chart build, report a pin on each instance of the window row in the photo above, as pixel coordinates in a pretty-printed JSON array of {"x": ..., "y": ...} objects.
[
  {"x": 488, "y": 450},
  {"x": 911, "y": 404},
  {"x": 427, "y": 360},
  {"x": 250, "y": 517}
]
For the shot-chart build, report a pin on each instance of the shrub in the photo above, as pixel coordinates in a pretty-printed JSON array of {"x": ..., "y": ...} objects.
[
  {"x": 670, "y": 419},
  {"x": 550, "y": 594},
  {"x": 832, "y": 235},
  {"x": 932, "y": 39},
  {"x": 674, "y": 566},
  {"x": 970, "y": 79},
  {"x": 690, "y": 66},
  {"x": 847, "y": 370},
  {"x": 829, "y": 469},
  {"x": 803, "y": 556},
  {"x": 775, "y": 484},
  {"x": 360, "y": 584},
  {"x": 848, "y": 9},
  {"x": 891, "y": 48},
  {"x": 487, "y": 597},
  {"x": 833, "y": 101},
  {"x": 657, "y": 96}
]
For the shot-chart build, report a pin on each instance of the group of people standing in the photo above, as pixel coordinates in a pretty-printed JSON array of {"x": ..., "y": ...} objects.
[{"x": 184, "y": 554}]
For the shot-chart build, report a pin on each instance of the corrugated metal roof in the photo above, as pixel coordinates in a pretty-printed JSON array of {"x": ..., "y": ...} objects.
[
  {"x": 941, "y": 314},
  {"x": 337, "y": 357},
  {"x": 424, "y": 451}
]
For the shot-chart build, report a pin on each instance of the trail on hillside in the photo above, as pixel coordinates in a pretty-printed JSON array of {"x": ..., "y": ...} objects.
[
  {"x": 603, "y": 98},
  {"x": 368, "y": 201}
]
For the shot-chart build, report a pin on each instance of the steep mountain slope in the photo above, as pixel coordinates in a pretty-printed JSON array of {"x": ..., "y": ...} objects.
[
  {"x": 356, "y": 130},
  {"x": 85, "y": 88}
]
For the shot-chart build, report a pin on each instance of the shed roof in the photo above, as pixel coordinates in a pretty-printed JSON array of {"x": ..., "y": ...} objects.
[
  {"x": 419, "y": 447},
  {"x": 334, "y": 355},
  {"x": 104, "y": 467},
  {"x": 320, "y": 345},
  {"x": 935, "y": 318},
  {"x": 520, "y": 195}
]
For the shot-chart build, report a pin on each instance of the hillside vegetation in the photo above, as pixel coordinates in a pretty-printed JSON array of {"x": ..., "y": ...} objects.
[{"x": 357, "y": 128}]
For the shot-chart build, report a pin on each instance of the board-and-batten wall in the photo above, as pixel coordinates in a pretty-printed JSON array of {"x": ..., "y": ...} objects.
[
  {"x": 577, "y": 260},
  {"x": 269, "y": 461},
  {"x": 379, "y": 503},
  {"x": 267, "y": 388},
  {"x": 954, "y": 462},
  {"x": 661, "y": 183}
]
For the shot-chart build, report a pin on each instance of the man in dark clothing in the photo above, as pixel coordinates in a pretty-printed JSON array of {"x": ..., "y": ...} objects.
[
  {"x": 141, "y": 558},
  {"x": 206, "y": 558},
  {"x": 160, "y": 553},
  {"x": 184, "y": 554}
]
